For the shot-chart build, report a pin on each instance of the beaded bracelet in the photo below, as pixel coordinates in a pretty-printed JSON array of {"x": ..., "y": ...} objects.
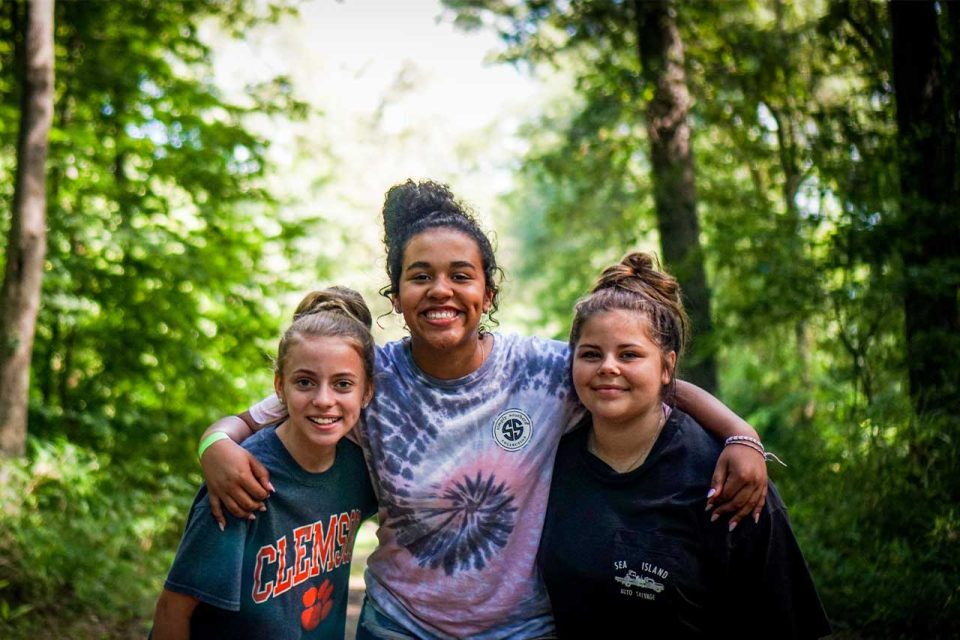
[{"x": 754, "y": 444}]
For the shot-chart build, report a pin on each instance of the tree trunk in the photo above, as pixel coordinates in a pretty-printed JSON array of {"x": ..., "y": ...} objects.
[
  {"x": 929, "y": 224},
  {"x": 671, "y": 153},
  {"x": 26, "y": 243}
]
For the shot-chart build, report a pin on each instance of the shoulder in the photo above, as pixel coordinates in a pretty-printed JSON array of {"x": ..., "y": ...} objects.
[
  {"x": 575, "y": 440},
  {"x": 535, "y": 364},
  {"x": 694, "y": 444},
  {"x": 265, "y": 446},
  {"x": 695, "y": 439},
  {"x": 349, "y": 452},
  {"x": 532, "y": 346},
  {"x": 533, "y": 355},
  {"x": 389, "y": 352}
]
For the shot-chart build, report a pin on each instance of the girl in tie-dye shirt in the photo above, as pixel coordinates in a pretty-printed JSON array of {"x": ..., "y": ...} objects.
[{"x": 459, "y": 440}]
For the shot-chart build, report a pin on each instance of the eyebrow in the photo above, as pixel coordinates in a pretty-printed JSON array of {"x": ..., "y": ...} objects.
[
  {"x": 624, "y": 345},
  {"x": 456, "y": 264},
  {"x": 340, "y": 374}
]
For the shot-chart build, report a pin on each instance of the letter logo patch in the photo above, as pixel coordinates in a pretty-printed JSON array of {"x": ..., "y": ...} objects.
[{"x": 512, "y": 429}]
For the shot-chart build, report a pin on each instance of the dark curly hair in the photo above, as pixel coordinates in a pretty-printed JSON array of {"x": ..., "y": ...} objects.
[{"x": 411, "y": 208}]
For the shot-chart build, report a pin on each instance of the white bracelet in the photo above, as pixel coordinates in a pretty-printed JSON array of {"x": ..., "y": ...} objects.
[
  {"x": 754, "y": 444},
  {"x": 747, "y": 440}
]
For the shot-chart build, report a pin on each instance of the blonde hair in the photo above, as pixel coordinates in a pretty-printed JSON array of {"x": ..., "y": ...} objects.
[{"x": 336, "y": 312}]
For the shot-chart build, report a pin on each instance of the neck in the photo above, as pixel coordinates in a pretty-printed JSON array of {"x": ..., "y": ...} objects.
[
  {"x": 452, "y": 363},
  {"x": 312, "y": 457},
  {"x": 625, "y": 446}
]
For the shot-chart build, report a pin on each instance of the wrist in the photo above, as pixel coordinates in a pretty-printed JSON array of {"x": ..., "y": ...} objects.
[
  {"x": 755, "y": 444},
  {"x": 210, "y": 439},
  {"x": 747, "y": 441}
]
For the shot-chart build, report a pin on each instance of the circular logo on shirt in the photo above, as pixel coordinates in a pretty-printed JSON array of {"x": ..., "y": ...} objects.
[{"x": 512, "y": 429}]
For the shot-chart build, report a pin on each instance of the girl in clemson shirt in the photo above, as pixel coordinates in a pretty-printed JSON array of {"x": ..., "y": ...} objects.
[{"x": 285, "y": 574}]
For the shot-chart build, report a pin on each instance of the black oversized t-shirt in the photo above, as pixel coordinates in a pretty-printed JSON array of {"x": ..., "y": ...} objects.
[{"x": 636, "y": 553}]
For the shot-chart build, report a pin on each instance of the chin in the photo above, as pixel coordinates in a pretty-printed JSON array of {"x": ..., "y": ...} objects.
[{"x": 444, "y": 342}]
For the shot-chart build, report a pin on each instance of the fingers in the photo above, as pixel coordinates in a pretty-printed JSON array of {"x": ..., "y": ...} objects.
[
  {"x": 238, "y": 508},
  {"x": 738, "y": 486},
  {"x": 760, "y": 504},
  {"x": 262, "y": 475},
  {"x": 247, "y": 497},
  {"x": 235, "y": 480},
  {"x": 217, "y": 511},
  {"x": 716, "y": 485},
  {"x": 740, "y": 499},
  {"x": 747, "y": 509}
]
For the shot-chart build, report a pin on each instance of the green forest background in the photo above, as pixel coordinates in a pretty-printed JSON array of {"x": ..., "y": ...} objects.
[{"x": 823, "y": 268}]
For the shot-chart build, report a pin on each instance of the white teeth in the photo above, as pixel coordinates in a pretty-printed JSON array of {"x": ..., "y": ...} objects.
[
  {"x": 441, "y": 314},
  {"x": 323, "y": 421}
]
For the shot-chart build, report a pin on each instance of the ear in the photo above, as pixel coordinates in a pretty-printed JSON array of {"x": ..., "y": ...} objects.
[
  {"x": 367, "y": 396},
  {"x": 278, "y": 387},
  {"x": 669, "y": 367},
  {"x": 487, "y": 299},
  {"x": 395, "y": 301}
]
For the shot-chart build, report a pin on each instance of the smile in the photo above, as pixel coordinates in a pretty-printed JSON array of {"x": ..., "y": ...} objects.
[
  {"x": 323, "y": 422},
  {"x": 608, "y": 389},
  {"x": 441, "y": 314}
]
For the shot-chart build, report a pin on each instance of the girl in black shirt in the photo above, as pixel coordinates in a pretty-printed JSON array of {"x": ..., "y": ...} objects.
[{"x": 627, "y": 544}]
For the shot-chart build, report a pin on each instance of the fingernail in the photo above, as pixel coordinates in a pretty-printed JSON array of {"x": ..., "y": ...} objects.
[
  {"x": 711, "y": 493},
  {"x": 714, "y": 517},
  {"x": 756, "y": 518},
  {"x": 251, "y": 517},
  {"x": 733, "y": 525},
  {"x": 270, "y": 486},
  {"x": 710, "y": 505},
  {"x": 220, "y": 524},
  {"x": 263, "y": 507}
]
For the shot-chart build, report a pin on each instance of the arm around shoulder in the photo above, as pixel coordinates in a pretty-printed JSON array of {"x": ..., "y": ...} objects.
[
  {"x": 716, "y": 417},
  {"x": 235, "y": 478},
  {"x": 739, "y": 483}
]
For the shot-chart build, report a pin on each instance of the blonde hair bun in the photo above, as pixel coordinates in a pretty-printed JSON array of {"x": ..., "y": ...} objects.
[{"x": 338, "y": 300}]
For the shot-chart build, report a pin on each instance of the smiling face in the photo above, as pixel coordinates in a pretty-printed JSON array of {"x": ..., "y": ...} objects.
[
  {"x": 324, "y": 386},
  {"x": 618, "y": 371},
  {"x": 443, "y": 294}
]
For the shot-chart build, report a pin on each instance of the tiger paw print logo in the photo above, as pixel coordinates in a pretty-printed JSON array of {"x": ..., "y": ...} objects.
[{"x": 317, "y": 602}]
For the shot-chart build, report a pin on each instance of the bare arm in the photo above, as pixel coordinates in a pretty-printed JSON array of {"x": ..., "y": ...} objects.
[
  {"x": 171, "y": 621},
  {"x": 235, "y": 479},
  {"x": 739, "y": 483}
]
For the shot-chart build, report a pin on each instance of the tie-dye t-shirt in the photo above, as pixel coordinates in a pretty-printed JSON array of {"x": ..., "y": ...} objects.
[{"x": 462, "y": 471}]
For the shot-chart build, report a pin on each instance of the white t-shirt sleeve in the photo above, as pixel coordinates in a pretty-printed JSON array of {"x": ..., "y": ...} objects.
[{"x": 268, "y": 410}]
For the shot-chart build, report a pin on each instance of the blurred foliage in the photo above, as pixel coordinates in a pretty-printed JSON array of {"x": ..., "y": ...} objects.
[
  {"x": 799, "y": 195},
  {"x": 153, "y": 318},
  {"x": 159, "y": 228},
  {"x": 84, "y": 534},
  {"x": 161, "y": 265}
]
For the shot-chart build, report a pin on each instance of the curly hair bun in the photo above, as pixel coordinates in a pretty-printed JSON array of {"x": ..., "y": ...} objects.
[
  {"x": 411, "y": 208},
  {"x": 640, "y": 273},
  {"x": 408, "y": 202},
  {"x": 338, "y": 300},
  {"x": 640, "y": 262}
]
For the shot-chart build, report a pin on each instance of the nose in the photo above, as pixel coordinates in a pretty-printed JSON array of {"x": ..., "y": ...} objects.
[
  {"x": 440, "y": 288},
  {"x": 609, "y": 366},
  {"x": 323, "y": 397}
]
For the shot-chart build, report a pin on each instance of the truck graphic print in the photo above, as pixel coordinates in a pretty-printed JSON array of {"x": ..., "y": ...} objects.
[{"x": 633, "y": 580}]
